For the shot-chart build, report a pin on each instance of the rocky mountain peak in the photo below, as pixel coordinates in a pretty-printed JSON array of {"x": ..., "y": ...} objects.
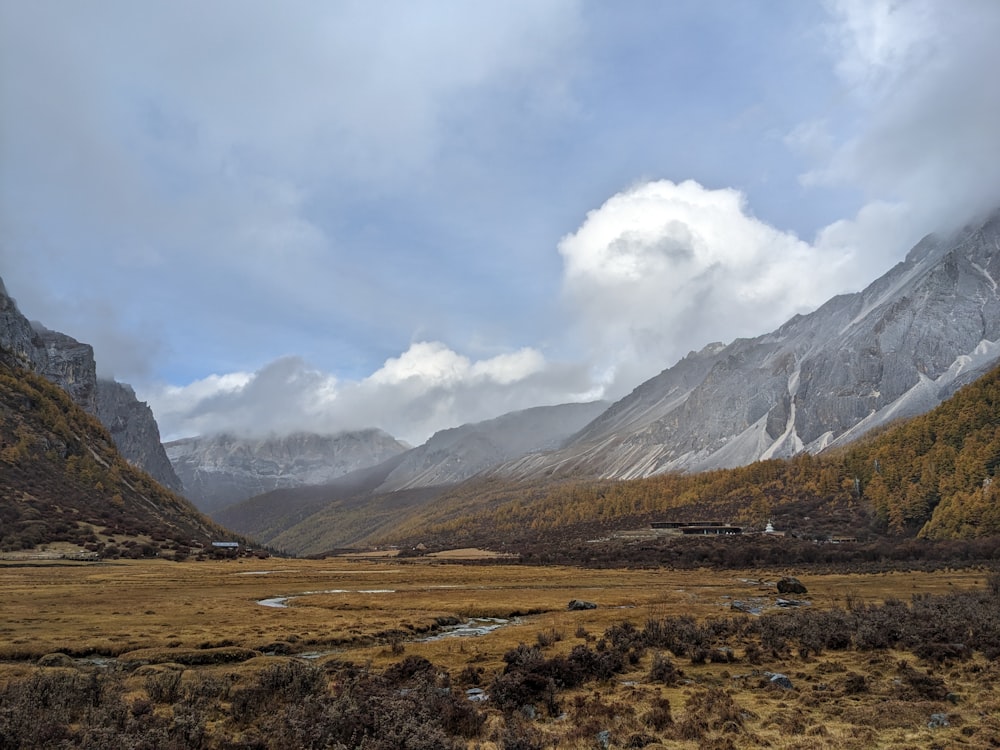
[
  {"x": 897, "y": 348},
  {"x": 70, "y": 364}
]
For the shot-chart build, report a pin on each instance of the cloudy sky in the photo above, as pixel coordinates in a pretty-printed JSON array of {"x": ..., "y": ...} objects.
[{"x": 331, "y": 215}]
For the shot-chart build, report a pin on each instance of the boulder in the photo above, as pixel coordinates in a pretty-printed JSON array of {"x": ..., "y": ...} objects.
[
  {"x": 790, "y": 585},
  {"x": 781, "y": 681},
  {"x": 578, "y": 604}
]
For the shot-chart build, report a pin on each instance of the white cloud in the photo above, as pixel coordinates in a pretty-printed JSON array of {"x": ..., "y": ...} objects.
[
  {"x": 926, "y": 107},
  {"x": 432, "y": 364},
  {"x": 664, "y": 268},
  {"x": 215, "y": 162},
  {"x": 427, "y": 388}
]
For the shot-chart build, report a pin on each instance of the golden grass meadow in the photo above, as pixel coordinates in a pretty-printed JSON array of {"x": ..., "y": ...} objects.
[{"x": 204, "y": 620}]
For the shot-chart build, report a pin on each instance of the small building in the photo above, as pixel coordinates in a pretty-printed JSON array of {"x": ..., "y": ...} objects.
[
  {"x": 713, "y": 529},
  {"x": 226, "y": 545},
  {"x": 706, "y": 528}
]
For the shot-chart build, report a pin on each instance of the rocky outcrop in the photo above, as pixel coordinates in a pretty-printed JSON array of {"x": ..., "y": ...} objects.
[
  {"x": 20, "y": 345},
  {"x": 221, "y": 470},
  {"x": 898, "y": 348},
  {"x": 69, "y": 363},
  {"x": 135, "y": 432}
]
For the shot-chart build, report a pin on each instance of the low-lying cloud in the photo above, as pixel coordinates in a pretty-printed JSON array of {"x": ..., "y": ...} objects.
[{"x": 427, "y": 388}]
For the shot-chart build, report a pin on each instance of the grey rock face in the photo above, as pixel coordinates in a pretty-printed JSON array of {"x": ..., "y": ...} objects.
[
  {"x": 69, "y": 364},
  {"x": 20, "y": 345},
  {"x": 895, "y": 349},
  {"x": 220, "y": 470},
  {"x": 135, "y": 432}
]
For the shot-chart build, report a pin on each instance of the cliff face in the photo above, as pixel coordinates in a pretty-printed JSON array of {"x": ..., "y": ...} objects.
[
  {"x": 135, "y": 432},
  {"x": 63, "y": 480},
  {"x": 20, "y": 344},
  {"x": 68, "y": 363}
]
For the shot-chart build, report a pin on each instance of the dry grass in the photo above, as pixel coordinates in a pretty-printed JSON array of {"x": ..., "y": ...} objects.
[{"x": 206, "y": 617}]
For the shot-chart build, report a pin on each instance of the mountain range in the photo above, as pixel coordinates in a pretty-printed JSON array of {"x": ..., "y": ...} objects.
[
  {"x": 415, "y": 476},
  {"x": 898, "y": 348},
  {"x": 220, "y": 470}
]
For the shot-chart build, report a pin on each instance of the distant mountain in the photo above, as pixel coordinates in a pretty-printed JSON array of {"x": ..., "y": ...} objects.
[
  {"x": 360, "y": 502},
  {"x": 453, "y": 455},
  {"x": 62, "y": 480},
  {"x": 221, "y": 470},
  {"x": 268, "y": 515},
  {"x": 898, "y": 348},
  {"x": 68, "y": 363}
]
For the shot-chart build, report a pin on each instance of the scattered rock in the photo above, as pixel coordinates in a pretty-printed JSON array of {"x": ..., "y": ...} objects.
[
  {"x": 780, "y": 680},
  {"x": 604, "y": 739},
  {"x": 790, "y": 585},
  {"x": 751, "y": 607},
  {"x": 476, "y": 695},
  {"x": 577, "y": 604},
  {"x": 790, "y": 603},
  {"x": 938, "y": 721}
]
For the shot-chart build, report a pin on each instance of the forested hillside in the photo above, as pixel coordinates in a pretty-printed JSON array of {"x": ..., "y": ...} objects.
[
  {"x": 931, "y": 476},
  {"x": 62, "y": 480}
]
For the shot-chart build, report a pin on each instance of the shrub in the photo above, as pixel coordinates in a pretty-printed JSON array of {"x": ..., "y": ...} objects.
[
  {"x": 663, "y": 670},
  {"x": 163, "y": 687}
]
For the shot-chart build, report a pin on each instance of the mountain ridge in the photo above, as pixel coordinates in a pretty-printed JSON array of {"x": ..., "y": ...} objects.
[
  {"x": 817, "y": 380},
  {"x": 449, "y": 457},
  {"x": 70, "y": 364},
  {"x": 224, "y": 469},
  {"x": 63, "y": 480}
]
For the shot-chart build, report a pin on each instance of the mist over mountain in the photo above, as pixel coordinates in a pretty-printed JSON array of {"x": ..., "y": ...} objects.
[
  {"x": 220, "y": 470},
  {"x": 895, "y": 349}
]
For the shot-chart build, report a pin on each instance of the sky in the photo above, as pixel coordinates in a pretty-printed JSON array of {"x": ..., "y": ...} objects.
[{"x": 270, "y": 217}]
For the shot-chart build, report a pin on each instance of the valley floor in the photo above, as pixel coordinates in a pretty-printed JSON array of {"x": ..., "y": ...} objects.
[{"x": 132, "y": 622}]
